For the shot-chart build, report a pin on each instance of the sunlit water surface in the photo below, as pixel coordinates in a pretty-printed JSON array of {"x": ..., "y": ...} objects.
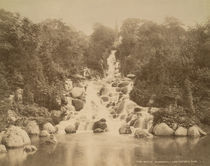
[{"x": 88, "y": 149}]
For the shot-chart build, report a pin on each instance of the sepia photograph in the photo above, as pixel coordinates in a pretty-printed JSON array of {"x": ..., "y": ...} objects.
[{"x": 104, "y": 82}]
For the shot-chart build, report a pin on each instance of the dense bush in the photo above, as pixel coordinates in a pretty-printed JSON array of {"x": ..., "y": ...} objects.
[
  {"x": 100, "y": 45},
  {"x": 176, "y": 116},
  {"x": 38, "y": 57},
  {"x": 171, "y": 63}
]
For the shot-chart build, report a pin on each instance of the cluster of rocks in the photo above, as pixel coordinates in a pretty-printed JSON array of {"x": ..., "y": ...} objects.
[
  {"x": 137, "y": 123},
  {"x": 68, "y": 105},
  {"x": 134, "y": 119},
  {"x": 112, "y": 96},
  {"x": 138, "y": 120},
  {"x": 15, "y": 136},
  {"x": 73, "y": 101},
  {"x": 163, "y": 129},
  {"x": 65, "y": 106}
]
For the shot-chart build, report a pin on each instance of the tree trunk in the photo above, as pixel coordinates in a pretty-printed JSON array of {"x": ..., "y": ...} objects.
[{"x": 188, "y": 95}]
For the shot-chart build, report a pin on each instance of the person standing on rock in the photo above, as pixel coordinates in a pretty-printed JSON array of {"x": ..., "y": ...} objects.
[{"x": 151, "y": 102}]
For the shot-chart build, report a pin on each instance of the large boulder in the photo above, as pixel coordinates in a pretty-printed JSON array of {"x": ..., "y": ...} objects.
[
  {"x": 195, "y": 131},
  {"x": 142, "y": 133},
  {"x": 121, "y": 107},
  {"x": 77, "y": 92},
  {"x": 101, "y": 124},
  {"x": 65, "y": 100},
  {"x": 144, "y": 120},
  {"x": 137, "y": 110},
  {"x": 44, "y": 133},
  {"x": 78, "y": 104},
  {"x": 56, "y": 116},
  {"x": 61, "y": 127},
  {"x": 70, "y": 129},
  {"x": 163, "y": 129},
  {"x": 103, "y": 91},
  {"x": 131, "y": 76},
  {"x": 174, "y": 126},
  {"x": 123, "y": 84},
  {"x": 129, "y": 117},
  {"x": 139, "y": 123},
  {"x": 105, "y": 98},
  {"x": 125, "y": 129},
  {"x": 133, "y": 119},
  {"x": 181, "y": 131},
  {"x": 49, "y": 127},
  {"x": 56, "y": 102},
  {"x": 2, "y": 149},
  {"x": 11, "y": 99},
  {"x": 64, "y": 124},
  {"x": 67, "y": 111},
  {"x": 2, "y": 133},
  {"x": 32, "y": 128},
  {"x": 11, "y": 117},
  {"x": 126, "y": 106},
  {"x": 15, "y": 137},
  {"x": 124, "y": 90}
]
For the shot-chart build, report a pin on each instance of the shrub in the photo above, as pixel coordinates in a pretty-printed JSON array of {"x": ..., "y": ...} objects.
[{"x": 175, "y": 115}]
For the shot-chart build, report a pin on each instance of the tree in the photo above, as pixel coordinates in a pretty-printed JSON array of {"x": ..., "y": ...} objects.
[{"x": 101, "y": 42}]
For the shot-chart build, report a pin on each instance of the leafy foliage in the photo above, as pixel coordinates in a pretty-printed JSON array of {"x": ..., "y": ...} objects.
[
  {"x": 175, "y": 116},
  {"x": 101, "y": 42},
  {"x": 38, "y": 57},
  {"x": 171, "y": 63}
]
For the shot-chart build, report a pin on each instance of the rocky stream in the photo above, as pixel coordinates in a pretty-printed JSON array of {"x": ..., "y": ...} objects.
[{"x": 100, "y": 125}]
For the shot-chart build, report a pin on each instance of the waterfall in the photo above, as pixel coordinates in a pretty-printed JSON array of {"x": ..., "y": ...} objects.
[
  {"x": 93, "y": 109},
  {"x": 96, "y": 107},
  {"x": 112, "y": 65}
]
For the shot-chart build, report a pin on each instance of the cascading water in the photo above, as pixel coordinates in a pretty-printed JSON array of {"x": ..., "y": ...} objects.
[
  {"x": 104, "y": 105},
  {"x": 93, "y": 109},
  {"x": 112, "y": 66}
]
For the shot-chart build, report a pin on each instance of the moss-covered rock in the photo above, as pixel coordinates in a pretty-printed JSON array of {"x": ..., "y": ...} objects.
[
  {"x": 70, "y": 129},
  {"x": 163, "y": 129},
  {"x": 32, "y": 128},
  {"x": 125, "y": 129},
  {"x": 181, "y": 131},
  {"x": 15, "y": 137},
  {"x": 49, "y": 127}
]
